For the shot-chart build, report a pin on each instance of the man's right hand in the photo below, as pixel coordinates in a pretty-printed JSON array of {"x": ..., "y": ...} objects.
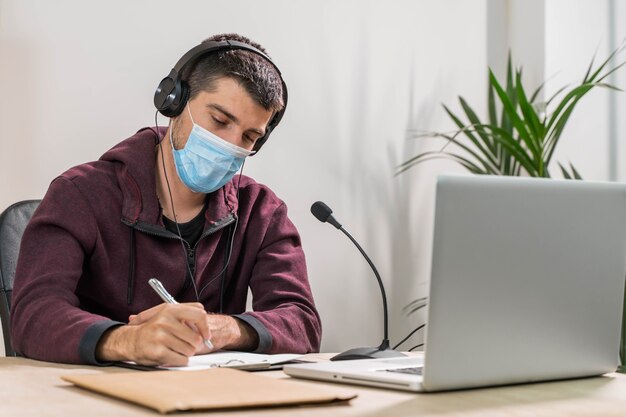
[{"x": 165, "y": 338}]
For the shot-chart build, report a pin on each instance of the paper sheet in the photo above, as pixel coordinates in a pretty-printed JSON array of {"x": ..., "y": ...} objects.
[
  {"x": 232, "y": 359},
  {"x": 237, "y": 360}
]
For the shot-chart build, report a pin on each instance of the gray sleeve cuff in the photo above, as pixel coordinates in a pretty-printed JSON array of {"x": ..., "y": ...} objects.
[
  {"x": 89, "y": 341},
  {"x": 265, "y": 338}
]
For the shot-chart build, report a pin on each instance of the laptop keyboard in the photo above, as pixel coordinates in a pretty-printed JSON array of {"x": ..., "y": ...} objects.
[{"x": 413, "y": 370}]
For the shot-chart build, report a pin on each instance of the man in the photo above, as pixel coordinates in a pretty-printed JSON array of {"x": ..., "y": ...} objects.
[{"x": 165, "y": 204}]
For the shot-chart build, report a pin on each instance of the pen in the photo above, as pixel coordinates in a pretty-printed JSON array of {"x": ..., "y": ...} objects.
[{"x": 167, "y": 297}]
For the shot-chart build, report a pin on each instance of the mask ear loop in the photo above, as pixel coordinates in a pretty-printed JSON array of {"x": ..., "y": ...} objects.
[
  {"x": 190, "y": 116},
  {"x": 169, "y": 192}
]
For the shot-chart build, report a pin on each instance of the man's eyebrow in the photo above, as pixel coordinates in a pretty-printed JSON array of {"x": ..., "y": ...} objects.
[
  {"x": 224, "y": 111},
  {"x": 232, "y": 116}
]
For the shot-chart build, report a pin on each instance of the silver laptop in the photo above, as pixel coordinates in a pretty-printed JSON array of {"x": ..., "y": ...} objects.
[{"x": 527, "y": 284}]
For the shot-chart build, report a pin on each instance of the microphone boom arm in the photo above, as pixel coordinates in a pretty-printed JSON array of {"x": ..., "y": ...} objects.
[
  {"x": 380, "y": 284},
  {"x": 324, "y": 214}
]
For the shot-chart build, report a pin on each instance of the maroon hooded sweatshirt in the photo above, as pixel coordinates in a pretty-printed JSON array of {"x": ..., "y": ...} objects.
[{"x": 98, "y": 237}]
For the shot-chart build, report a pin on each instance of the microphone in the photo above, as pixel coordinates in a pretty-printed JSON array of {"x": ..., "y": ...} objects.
[{"x": 324, "y": 214}]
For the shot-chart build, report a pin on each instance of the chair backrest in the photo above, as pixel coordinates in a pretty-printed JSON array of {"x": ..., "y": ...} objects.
[{"x": 13, "y": 221}]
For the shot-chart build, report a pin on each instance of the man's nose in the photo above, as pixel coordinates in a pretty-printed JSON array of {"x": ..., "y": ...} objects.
[{"x": 235, "y": 136}]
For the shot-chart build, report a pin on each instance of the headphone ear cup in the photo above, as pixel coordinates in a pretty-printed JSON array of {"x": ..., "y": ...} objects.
[
  {"x": 268, "y": 130},
  {"x": 171, "y": 96},
  {"x": 261, "y": 141},
  {"x": 165, "y": 93},
  {"x": 180, "y": 101},
  {"x": 275, "y": 120}
]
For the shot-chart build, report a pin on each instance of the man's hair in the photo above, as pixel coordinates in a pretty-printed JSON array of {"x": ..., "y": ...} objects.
[{"x": 257, "y": 76}]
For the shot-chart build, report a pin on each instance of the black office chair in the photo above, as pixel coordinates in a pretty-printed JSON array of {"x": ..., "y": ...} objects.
[{"x": 13, "y": 221}]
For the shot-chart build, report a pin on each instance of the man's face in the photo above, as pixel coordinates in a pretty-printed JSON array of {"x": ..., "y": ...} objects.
[{"x": 228, "y": 112}]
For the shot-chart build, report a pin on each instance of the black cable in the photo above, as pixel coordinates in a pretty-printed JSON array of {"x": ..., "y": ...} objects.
[
  {"x": 415, "y": 347},
  {"x": 223, "y": 276},
  {"x": 169, "y": 191},
  {"x": 421, "y": 326},
  {"x": 182, "y": 242}
]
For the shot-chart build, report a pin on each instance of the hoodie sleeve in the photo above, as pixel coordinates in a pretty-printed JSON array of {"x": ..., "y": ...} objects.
[
  {"x": 284, "y": 315},
  {"x": 46, "y": 320}
]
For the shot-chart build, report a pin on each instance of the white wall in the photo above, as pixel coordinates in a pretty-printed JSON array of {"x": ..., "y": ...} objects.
[
  {"x": 617, "y": 14},
  {"x": 79, "y": 77},
  {"x": 573, "y": 36}
]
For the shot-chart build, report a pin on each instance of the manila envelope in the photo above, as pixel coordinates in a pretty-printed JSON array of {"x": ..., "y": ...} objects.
[{"x": 210, "y": 389}]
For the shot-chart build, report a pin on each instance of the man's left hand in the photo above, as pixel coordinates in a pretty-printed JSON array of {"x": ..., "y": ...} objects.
[{"x": 227, "y": 333}]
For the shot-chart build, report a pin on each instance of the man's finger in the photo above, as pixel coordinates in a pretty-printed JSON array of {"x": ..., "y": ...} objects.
[
  {"x": 195, "y": 318},
  {"x": 148, "y": 314},
  {"x": 166, "y": 356},
  {"x": 181, "y": 340}
]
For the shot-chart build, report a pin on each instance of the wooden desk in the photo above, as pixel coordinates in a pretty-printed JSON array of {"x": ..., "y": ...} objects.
[{"x": 33, "y": 388}]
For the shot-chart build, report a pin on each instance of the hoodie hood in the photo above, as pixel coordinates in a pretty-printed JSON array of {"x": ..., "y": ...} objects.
[{"x": 135, "y": 166}]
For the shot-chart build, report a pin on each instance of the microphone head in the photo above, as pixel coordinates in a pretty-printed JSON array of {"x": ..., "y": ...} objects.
[
  {"x": 324, "y": 214},
  {"x": 321, "y": 211}
]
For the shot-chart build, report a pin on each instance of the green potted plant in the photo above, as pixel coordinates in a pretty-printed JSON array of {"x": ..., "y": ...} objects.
[
  {"x": 519, "y": 137},
  {"x": 521, "y": 140}
]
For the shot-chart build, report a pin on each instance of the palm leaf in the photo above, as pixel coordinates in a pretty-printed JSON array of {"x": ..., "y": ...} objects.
[
  {"x": 522, "y": 138},
  {"x": 557, "y": 122},
  {"x": 575, "y": 172},
  {"x": 491, "y": 103},
  {"x": 517, "y": 122},
  {"x": 604, "y": 64},
  {"x": 513, "y": 146},
  {"x": 579, "y": 91},
  {"x": 533, "y": 96},
  {"x": 468, "y": 133},
  {"x": 510, "y": 89},
  {"x": 575, "y": 175},
  {"x": 427, "y": 156},
  {"x": 553, "y": 96},
  {"x": 488, "y": 166},
  {"x": 566, "y": 174},
  {"x": 473, "y": 118}
]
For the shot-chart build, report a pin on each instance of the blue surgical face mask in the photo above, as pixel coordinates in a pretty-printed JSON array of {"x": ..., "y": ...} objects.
[{"x": 207, "y": 162}]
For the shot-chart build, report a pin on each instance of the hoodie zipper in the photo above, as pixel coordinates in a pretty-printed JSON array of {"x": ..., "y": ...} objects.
[
  {"x": 191, "y": 258},
  {"x": 189, "y": 251},
  {"x": 161, "y": 232}
]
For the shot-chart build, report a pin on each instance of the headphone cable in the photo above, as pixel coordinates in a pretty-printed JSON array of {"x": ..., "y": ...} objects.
[
  {"x": 232, "y": 238},
  {"x": 169, "y": 191}
]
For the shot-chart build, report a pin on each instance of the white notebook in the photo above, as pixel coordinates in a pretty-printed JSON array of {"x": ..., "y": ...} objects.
[
  {"x": 237, "y": 360},
  {"x": 228, "y": 359}
]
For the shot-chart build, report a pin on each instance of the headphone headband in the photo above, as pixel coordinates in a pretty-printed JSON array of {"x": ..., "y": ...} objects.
[
  {"x": 206, "y": 48},
  {"x": 172, "y": 93}
]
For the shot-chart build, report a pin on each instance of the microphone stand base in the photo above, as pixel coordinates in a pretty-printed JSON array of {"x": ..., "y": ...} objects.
[{"x": 380, "y": 352}]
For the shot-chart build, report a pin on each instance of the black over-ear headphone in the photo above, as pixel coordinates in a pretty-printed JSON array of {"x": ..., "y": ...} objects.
[{"x": 172, "y": 94}]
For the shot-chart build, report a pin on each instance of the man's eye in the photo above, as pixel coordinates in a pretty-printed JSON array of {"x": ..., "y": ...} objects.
[{"x": 219, "y": 122}]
